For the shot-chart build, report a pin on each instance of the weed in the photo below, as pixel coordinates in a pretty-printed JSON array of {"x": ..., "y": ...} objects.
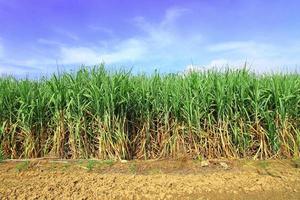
[
  {"x": 263, "y": 164},
  {"x": 199, "y": 158},
  {"x": 133, "y": 168},
  {"x": 22, "y": 166},
  {"x": 90, "y": 165},
  {"x": 108, "y": 162},
  {"x": 66, "y": 166},
  {"x": 80, "y": 162},
  {"x": 1, "y": 156},
  {"x": 154, "y": 171}
]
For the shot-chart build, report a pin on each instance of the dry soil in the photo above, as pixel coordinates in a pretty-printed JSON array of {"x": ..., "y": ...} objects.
[{"x": 164, "y": 179}]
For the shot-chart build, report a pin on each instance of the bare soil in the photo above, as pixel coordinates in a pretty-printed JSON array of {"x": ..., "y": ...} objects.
[{"x": 164, "y": 179}]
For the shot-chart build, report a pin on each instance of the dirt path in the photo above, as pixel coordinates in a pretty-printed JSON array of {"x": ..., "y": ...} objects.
[{"x": 169, "y": 179}]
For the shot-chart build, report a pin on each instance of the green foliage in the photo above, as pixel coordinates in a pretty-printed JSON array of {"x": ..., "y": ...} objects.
[
  {"x": 1, "y": 155},
  {"x": 1, "y": 151},
  {"x": 199, "y": 158},
  {"x": 133, "y": 168},
  {"x": 108, "y": 162},
  {"x": 263, "y": 164},
  {"x": 66, "y": 166},
  {"x": 22, "y": 166},
  {"x": 105, "y": 115},
  {"x": 90, "y": 165}
]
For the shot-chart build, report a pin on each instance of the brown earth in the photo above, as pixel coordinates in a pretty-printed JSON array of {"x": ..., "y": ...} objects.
[{"x": 165, "y": 179}]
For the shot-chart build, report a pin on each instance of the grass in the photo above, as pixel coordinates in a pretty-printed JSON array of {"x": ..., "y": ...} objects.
[
  {"x": 98, "y": 114},
  {"x": 22, "y": 166},
  {"x": 108, "y": 162},
  {"x": 1, "y": 156},
  {"x": 154, "y": 171},
  {"x": 90, "y": 165},
  {"x": 66, "y": 166},
  {"x": 263, "y": 165},
  {"x": 133, "y": 168},
  {"x": 199, "y": 158}
]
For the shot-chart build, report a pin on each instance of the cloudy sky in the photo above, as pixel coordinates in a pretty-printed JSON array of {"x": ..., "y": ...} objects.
[{"x": 43, "y": 36}]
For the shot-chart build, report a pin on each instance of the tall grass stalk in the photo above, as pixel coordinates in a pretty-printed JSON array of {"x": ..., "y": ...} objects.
[{"x": 94, "y": 113}]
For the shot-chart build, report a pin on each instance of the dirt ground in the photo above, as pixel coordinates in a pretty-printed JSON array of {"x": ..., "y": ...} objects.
[{"x": 164, "y": 179}]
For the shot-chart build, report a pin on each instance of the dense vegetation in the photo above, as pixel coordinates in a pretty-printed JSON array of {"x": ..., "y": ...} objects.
[{"x": 100, "y": 114}]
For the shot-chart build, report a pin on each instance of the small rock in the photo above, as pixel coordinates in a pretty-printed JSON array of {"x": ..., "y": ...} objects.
[
  {"x": 224, "y": 165},
  {"x": 204, "y": 163},
  {"x": 124, "y": 161},
  {"x": 208, "y": 190}
]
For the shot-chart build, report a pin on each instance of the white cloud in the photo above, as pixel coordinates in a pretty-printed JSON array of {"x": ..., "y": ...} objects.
[
  {"x": 172, "y": 14},
  {"x": 217, "y": 65},
  {"x": 25, "y": 67},
  {"x": 260, "y": 57},
  {"x": 102, "y": 29},
  {"x": 81, "y": 55},
  {"x": 248, "y": 48},
  {"x": 159, "y": 42},
  {"x": 218, "y": 62},
  {"x": 49, "y": 42},
  {"x": 128, "y": 50},
  {"x": 66, "y": 33},
  {"x": 164, "y": 33},
  {"x": 16, "y": 70},
  {"x": 232, "y": 45},
  {"x": 257, "y": 66},
  {"x": 162, "y": 43},
  {"x": 15, "y": 66},
  {"x": 1, "y": 51}
]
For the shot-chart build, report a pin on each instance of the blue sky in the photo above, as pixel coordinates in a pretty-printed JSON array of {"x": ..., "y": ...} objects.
[{"x": 38, "y": 37}]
